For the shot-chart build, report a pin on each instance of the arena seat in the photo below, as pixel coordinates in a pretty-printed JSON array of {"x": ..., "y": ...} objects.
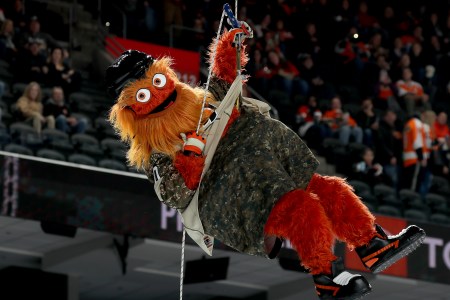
[
  {"x": 18, "y": 149},
  {"x": 92, "y": 150},
  {"x": 82, "y": 159},
  {"x": 382, "y": 190},
  {"x": 440, "y": 219},
  {"x": 79, "y": 139},
  {"x": 112, "y": 164},
  {"x": 51, "y": 154},
  {"x": 415, "y": 215},
  {"x": 360, "y": 186},
  {"x": 437, "y": 203},
  {"x": 389, "y": 210}
]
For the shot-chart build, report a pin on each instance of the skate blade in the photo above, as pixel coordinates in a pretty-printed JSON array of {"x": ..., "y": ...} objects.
[{"x": 417, "y": 240}]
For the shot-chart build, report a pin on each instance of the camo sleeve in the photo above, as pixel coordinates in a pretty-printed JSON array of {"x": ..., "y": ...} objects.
[
  {"x": 169, "y": 184},
  {"x": 218, "y": 88}
]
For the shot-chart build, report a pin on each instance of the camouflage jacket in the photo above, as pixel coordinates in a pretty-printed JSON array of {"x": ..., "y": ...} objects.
[{"x": 256, "y": 163}]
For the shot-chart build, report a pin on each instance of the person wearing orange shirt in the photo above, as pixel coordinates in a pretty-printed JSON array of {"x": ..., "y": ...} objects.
[
  {"x": 415, "y": 152},
  {"x": 342, "y": 124},
  {"x": 411, "y": 92},
  {"x": 311, "y": 128}
]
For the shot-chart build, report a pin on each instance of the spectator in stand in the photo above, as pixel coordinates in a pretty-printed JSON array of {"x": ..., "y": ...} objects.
[
  {"x": 30, "y": 108},
  {"x": 342, "y": 124},
  {"x": 151, "y": 16},
  {"x": 281, "y": 74},
  {"x": 18, "y": 15},
  {"x": 309, "y": 41},
  {"x": 434, "y": 50},
  {"x": 433, "y": 27},
  {"x": 428, "y": 119},
  {"x": 8, "y": 49},
  {"x": 384, "y": 93},
  {"x": 388, "y": 146},
  {"x": 397, "y": 51},
  {"x": 418, "y": 62},
  {"x": 376, "y": 46},
  {"x": 34, "y": 33},
  {"x": 57, "y": 108},
  {"x": 60, "y": 73},
  {"x": 352, "y": 54},
  {"x": 263, "y": 27},
  {"x": 368, "y": 120},
  {"x": 411, "y": 93},
  {"x": 415, "y": 173},
  {"x": 282, "y": 36},
  {"x": 311, "y": 127},
  {"x": 173, "y": 15},
  {"x": 31, "y": 64},
  {"x": 396, "y": 71},
  {"x": 365, "y": 20},
  {"x": 344, "y": 17},
  {"x": 388, "y": 23},
  {"x": 311, "y": 75},
  {"x": 442, "y": 132},
  {"x": 367, "y": 170},
  {"x": 257, "y": 62}
]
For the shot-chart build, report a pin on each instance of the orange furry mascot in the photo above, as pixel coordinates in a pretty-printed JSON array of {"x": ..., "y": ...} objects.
[{"x": 260, "y": 187}]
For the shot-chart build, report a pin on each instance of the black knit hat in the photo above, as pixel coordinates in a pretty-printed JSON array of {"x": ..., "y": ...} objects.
[{"x": 130, "y": 66}]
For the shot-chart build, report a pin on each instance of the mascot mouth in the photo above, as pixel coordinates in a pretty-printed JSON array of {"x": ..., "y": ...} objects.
[
  {"x": 166, "y": 104},
  {"x": 163, "y": 106}
]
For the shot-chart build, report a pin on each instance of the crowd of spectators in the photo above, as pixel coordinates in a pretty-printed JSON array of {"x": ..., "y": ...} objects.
[
  {"x": 356, "y": 71},
  {"x": 359, "y": 72},
  {"x": 38, "y": 61}
]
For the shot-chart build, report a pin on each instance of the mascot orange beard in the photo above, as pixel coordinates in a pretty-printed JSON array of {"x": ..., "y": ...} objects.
[{"x": 310, "y": 210}]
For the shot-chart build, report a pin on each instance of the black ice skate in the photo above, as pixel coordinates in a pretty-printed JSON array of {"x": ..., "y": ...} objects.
[
  {"x": 383, "y": 251},
  {"x": 341, "y": 285}
]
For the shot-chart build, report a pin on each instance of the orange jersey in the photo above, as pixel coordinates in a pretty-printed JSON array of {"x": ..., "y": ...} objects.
[
  {"x": 440, "y": 130},
  {"x": 410, "y": 87},
  {"x": 414, "y": 138},
  {"x": 336, "y": 116},
  {"x": 385, "y": 92}
]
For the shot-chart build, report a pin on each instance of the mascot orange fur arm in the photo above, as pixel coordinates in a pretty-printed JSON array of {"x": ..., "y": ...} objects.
[{"x": 261, "y": 183}]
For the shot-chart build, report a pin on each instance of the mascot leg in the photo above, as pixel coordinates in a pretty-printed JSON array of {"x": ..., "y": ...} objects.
[
  {"x": 299, "y": 217},
  {"x": 350, "y": 219},
  {"x": 352, "y": 223}
]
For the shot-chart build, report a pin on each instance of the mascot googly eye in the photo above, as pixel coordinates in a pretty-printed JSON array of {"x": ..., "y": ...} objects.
[
  {"x": 143, "y": 95},
  {"x": 159, "y": 80}
]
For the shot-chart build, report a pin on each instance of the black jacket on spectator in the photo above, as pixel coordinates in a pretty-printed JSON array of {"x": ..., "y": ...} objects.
[
  {"x": 387, "y": 146},
  {"x": 51, "y": 108},
  {"x": 55, "y": 78},
  {"x": 29, "y": 67}
]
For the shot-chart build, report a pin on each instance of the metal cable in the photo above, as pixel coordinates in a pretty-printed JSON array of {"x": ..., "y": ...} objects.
[{"x": 210, "y": 72}]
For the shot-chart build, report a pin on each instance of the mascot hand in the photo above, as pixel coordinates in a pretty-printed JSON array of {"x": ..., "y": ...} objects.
[
  {"x": 241, "y": 33},
  {"x": 190, "y": 168},
  {"x": 193, "y": 144}
]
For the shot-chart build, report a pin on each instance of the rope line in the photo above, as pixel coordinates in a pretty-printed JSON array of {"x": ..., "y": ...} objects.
[
  {"x": 210, "y": 72},
  {"x": 183, "y": 242},
  {"x": 183, "y": 246}
]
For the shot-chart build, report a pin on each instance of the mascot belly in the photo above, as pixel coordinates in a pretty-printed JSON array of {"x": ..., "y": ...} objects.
[{"x": 259, "y": 187}]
